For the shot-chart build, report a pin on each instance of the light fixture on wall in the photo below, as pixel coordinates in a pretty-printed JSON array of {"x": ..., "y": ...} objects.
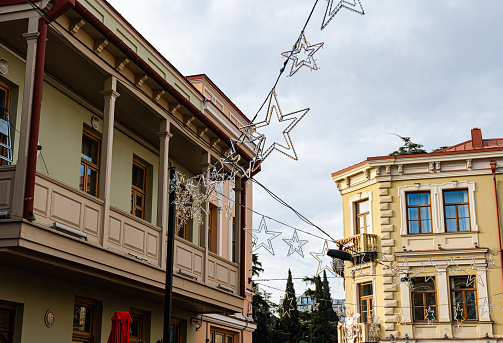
[
  {"x": 4, "y": 215},
  {"x": 225, "y": 288},
  {"x": 187, "y": 274},
  {"x": 404, "y": 248},
  {"x": 198, "y": 322},
  {"x": 4, "y": 66},
  {"x": 440, "y": 246},
  {"x": 95, "y": 122},
  {"x": 476, "y": 244}
]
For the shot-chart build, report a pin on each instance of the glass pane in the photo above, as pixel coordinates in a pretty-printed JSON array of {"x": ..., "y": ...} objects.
[
  {"x": 138, "y": 177},
  {"x": 413, "y": 213},
  {"x": 430, "y": 299},
  {"x": 418, "y": 313},
  {"x": 139, "y": 200},
  {"x": 364, "y": 306},
  {"x": 219, "y": 338},
  {"x": 364, "y": 317},
  {"x": 421, "y": 285},
  {"x": 90, "y": 149},
  {"x": 464, "y": 224},
  {"x": 459, "y": 282},
  {"x": 450, "y": 211},
  {"x": 451, "y": 225},
  {"x": 452, "y": 197},
  {"x": 471, "y": 312},
  {"x": 230, "y": 339},
  {"x": 425, "y": 212},
  {"x": 81, "y": 180},
  {"x": 362, "y": 207},
  {"x": 82, "y": 318},
  {"x": 361, "y": 222},
  {"x": 413, "y": 227},
  {"x": 470, "y": 298},
  {"x": 138, "y": 213},
  {"x": 417, "y": 299},
  {"x": 458, "y": 298},
  {"x": 366, "y": 289},
  {"x": 133, "y": 328},
  {"x": 463, "y": 211},
  {"x": 92, "y": 177},
  {"x": 3, "y": 97},
  {"x": 425, "y": 225},
  {"x": 418, "y": 198}
]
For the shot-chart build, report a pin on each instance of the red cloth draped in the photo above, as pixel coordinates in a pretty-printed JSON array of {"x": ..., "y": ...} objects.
[{"x": 120, "y": 327}]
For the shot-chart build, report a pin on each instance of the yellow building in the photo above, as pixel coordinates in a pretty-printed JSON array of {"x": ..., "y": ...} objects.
[
  {"x": 424, "y": 234},
  {"x": 83, "y": 221}
]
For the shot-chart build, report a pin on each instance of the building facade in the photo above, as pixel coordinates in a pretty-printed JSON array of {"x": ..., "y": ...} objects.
[
  {"x": 424, "y": 236},
  {"x": 92, "y": 117}
]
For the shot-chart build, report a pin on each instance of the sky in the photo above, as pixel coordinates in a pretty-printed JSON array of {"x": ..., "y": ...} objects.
[{"x": 427, "y": 69}]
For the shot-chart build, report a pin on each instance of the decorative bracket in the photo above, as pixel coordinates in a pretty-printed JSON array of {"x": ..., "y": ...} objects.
[
  {"x": 99, "y": 45},
  {"x": 140, "y": 79},
  {"x": 75, "y": 25},
  {"x": 158, "y": 94},
  {"x": 120, "y": 63}
]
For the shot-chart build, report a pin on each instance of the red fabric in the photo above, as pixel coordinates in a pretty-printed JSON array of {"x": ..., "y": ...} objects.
[{"x": 120, "y": 327}]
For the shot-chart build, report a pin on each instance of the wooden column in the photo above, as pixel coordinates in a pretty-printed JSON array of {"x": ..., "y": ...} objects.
[
  {"x": 163, "y": 187},
  {"x": 110, "y": 96},
  {"x": 22, "y": 155}
]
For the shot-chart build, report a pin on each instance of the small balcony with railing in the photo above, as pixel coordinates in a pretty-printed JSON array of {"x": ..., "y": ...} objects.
[{"x": 358, "y": 249}]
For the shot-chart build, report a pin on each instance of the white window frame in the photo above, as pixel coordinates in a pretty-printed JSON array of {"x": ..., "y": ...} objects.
[
  {"x": 437, "y": 203},
  {"x": 352, "y": 211}
]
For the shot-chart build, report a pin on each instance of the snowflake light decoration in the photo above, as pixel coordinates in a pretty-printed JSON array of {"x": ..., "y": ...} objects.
[
  {"x": 430, "y": 315},
  {"x": 458, "y": 314}
]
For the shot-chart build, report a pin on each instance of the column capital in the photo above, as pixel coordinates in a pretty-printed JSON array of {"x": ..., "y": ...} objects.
[
  {"x": 166, "y": 134},
  {"x": 31, "y": 35},
  {"x": 110, "y": 93}
]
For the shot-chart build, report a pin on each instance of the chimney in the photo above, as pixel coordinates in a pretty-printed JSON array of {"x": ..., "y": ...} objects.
[{"x": 476, "y": 138}]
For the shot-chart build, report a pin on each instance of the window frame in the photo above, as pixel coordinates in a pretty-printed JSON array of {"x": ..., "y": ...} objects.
[
  {"x": 136, "y": 191},
  {"x": 89, "y": 165},
  {"x": 86, "y": 336},
  {"x": 425, "y": 308},
  {"x": 467, "y": 203},
  {"x": 368, "y": 299},
  {"x": 463, "y": 291},
  {"x": 224, "y": 333},
  {"x": 140, "y": 317},
  {"x": 8, "y": 94},
  {"x": 407, "y": 206},
  {"x": 362, "y": 215},
  {"x": 352, "y": 209},
  {"x": 213, "y": 229}
]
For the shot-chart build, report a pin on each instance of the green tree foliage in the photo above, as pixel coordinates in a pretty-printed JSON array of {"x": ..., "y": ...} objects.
[
  {"x": 319, "y": 330},
  {"x": 262, "y": 309},
  {"x": 408, "y": 147},
  {"x": 289, "y": 321},
  {"x": 331, "y": 315}
]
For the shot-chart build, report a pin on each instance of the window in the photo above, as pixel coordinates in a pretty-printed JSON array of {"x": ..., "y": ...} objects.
[
  {"x": 221, "y": 337},
  {"x": 137, "y": 327},
  {"x": 84, "y": 318},
  {"x": 89, "y": 163},
  {"x": 4, "y": 125},
  {"x": 366, "y": 297},
  {"x": 181, "y": 230},
  {"x": 138, "y": 189},
  {"x": 464, "y": 298},
  {"x": 362, "y": 216},
  {"x": 418, "y": 212},
  {"x": 212, "y": 230},
  {"x": 176, "y": 331},
  {"x": 457, "y": 214},
  {"x": 424, "y": 303}
]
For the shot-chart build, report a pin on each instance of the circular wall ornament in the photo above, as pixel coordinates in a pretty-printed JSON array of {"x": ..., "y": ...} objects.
[
  {"x": 95, "y": 122},
  {"x": 4, "y": 66},
  {"x": 49, "y": 318}
]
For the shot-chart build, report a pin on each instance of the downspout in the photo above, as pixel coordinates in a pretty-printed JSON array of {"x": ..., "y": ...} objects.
[
  {"x": 60, "y": 7},
  {"x": 493, "y": 170}
]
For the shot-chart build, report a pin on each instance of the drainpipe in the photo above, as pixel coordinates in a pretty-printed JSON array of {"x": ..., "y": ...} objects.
[
  {"x": 60, "y": 7},
  {"x": 243, "y": 238},
  {"x": 493, "y": 170}
]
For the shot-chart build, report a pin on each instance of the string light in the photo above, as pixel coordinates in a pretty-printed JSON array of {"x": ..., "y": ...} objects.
[
  {"x": 262, "y": 237},
  {"x": 332, "y": 9},
  {"x": 303, "y": 48}
]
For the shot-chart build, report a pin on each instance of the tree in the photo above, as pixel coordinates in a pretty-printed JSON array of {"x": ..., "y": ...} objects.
[
  {"x": 408, "y": 147},
  {"x": 319, "y": 330},
  {"x": 289, "y": 321},
  {"x": 262, "y": 307},
  {"x": 331, "y": 315}
]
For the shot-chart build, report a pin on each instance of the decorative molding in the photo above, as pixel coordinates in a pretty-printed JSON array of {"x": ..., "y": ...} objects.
[
  {"x": 448, "y": 252},
  {"x": 201, "y": 131},
  {"x": 469, "y": 164},
  {"x": 120, "y": 63},
  {"x": 158, "y": 94},
  {"x": 99, "y": 45},
  {"x": 366, "y": 174},
  {"x": 75, "y": 25},
  {"x": 347, "y": 181},
  {"x": 214, "y": 142},
  {"x": 400, "y": 169},
  {"x": 437, "y": 166},
  {"x": 431, "y": 167},
  {"x": 140, "y": 79},
  {"x": 174, "y": 108},
  {"x": 388, "y": 169},
  {"x": 187, "y": 119},
  {"x": 378, "y": 170}
]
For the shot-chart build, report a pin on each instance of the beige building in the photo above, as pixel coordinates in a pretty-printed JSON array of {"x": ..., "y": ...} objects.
[
  {"x": 424, "y": 234},
  {"x": 83, "y": 221}
]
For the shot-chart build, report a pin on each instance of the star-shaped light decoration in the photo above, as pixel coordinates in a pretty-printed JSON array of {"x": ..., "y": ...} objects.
[
  {"x": 458, "y": 314},
  {"x": 325, "y": 261},
  {"x": 430, "y": 315},
  {"x": 335, "y": 6},
  {"x": 487, "y": 307},
  {"x": 315, "y": 306},
  {"x": 306, "y": 51},
  {"x": 229, "y": 210},
  {"x": 452, "y": 262},
  {"x": 470, "y": 280},
  {"x": 262, "y": 237},
  {"x": 289, "y": 307},
  {"x": 492, "y": 260},
  {"x": 287, "y": 147},
  {"x": 295, "y": 245},
  {"x": 402, "y": 318}
]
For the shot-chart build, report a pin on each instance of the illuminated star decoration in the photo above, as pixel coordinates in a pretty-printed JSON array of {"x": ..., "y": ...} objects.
[
  {"x": 306, "y": 51},
  {"x": 261, "y": 237},
  {"x": 295, "y": 244},
  {"x": 323, "y": 265},
  {"x": 334, "y": 6},
  {"x": 286, "y": 148},
  {"x": 491, "y": 260},
  {"x": 402, "y": 318},
  {"x": 458, "y": 314},
  {"x": 289, "y": 308},
  {"x": 430, "y": 315},
  {"x": 452, "y": 262},
  {"x": 229, "y": 213}
]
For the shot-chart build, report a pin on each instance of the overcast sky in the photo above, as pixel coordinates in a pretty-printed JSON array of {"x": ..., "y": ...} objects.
[{"x": 429, "y": 69}]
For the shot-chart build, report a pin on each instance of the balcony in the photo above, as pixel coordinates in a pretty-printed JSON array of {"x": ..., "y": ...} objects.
[
  {"x": 119, "y": 243},
  {"x": 357, "y": 245}
]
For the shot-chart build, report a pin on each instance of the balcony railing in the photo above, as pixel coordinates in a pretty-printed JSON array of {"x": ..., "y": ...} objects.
[
  {"x": 358, "y": 244},
  {"x": 358, "y": 333}
]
